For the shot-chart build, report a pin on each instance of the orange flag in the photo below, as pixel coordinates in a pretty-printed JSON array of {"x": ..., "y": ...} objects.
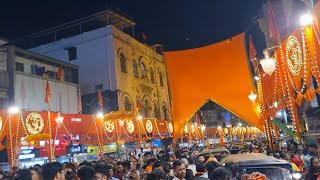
[
  {"x": 48, "y": 93},
  {"x": 59, "y": 73},
  {"x": 79, "y": 102},
  {"x": 273, "y": 29},
  {"x": 100, "y": 100},
  {"x": 221, "y": 140}
]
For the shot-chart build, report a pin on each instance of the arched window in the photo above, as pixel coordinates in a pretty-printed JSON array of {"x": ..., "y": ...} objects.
[
  {"x": 123, "y": 63},
  {"x": 165, "y": 113},
  {"x": 135, "y": 69},
  {"x": 161, "y": 79},
  {"x": 152, "y": 76},
  {"x": 156, "y": 110},
  {"x": 147, "y": 107},
  {"x": 127, "y": 104},
  {"x": 143, "y": 71},
  {"x": 141, "y": 109}
]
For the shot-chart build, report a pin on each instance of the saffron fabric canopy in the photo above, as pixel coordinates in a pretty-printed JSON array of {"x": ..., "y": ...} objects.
[{"x": 219, "y": 72}]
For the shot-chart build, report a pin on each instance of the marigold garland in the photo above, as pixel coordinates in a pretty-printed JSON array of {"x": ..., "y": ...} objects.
[
  {"x": 38, "y": 137},
  {"x": 123, "y": 115}
]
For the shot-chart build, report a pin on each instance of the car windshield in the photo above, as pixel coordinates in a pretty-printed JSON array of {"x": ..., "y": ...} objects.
[{"x": 271, "y": 173}]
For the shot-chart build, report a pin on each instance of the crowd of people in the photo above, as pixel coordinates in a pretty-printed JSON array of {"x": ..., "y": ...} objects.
[
  {"x": 183, "y": 164},
  {"x": 153, "y": 168}
]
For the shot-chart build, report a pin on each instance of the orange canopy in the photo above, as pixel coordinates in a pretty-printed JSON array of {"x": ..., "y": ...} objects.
[{"x": 219, "y": 72}]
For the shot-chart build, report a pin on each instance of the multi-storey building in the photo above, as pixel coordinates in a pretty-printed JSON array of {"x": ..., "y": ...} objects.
[
  {"x": 128, "y": 72},
  {"x": 23, "y": 76}
]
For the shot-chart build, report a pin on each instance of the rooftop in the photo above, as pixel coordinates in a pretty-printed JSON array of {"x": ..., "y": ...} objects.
[{"x": 76, "y": 27}]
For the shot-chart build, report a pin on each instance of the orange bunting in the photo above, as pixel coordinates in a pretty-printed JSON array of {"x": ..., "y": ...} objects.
[
  {"x": 38, "y": 137},
  {"x": 299, "y": 98},
  {"x": 309, "y": 95},
  {"x": 318, "y": 90}
]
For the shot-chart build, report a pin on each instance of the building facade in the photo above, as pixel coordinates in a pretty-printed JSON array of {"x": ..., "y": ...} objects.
[
  {"x": 129, "y": 73},
  {"x": 23, "y": 76}
]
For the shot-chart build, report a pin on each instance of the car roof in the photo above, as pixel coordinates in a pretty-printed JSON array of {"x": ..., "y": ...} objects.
[
  {"x": 216, "y": 150},
  {"x": 253, "y": 159}
]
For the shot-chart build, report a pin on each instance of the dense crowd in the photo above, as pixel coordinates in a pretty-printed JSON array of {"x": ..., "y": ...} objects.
[{"x": 183, "y": 164}]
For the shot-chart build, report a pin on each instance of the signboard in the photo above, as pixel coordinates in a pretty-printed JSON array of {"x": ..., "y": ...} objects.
[
  {"x": 110, "y": 148},
  {"x": 75, "y": 119},
  {"x": 24, "y": 144},
  {"x": 74, "y": 148},
  {"x": 156, "y": 142},
  {"x": 312, "y": 120},
  {"x": 227, "y": 118},
  {"x": 27, "y": 154},
  {"x": 58, "y": 151}
]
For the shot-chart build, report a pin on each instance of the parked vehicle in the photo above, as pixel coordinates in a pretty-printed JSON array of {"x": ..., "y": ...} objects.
[
  {"x": 273, "y": 168},
  {"x": 218, "y": 153},
  {"x": 239, "y": 147}
]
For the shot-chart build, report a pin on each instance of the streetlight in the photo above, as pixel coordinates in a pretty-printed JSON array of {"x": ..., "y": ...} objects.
[
  {"x": 306, "y": 20},
  {"x": 99, "y": 115},
  {"x": 13, "y": 110}
]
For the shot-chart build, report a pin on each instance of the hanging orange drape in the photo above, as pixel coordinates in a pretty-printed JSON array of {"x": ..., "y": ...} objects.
[{"x": 219, "y": 72}]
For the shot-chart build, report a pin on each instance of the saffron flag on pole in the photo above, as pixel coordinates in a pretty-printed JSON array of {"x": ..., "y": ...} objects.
[
  {"x": 48, "y": 93},
  {"x": 79, "y": 102},
  {"x": 273, "y": 30},
  {"x": 100, "y": 100},
  {"x": 221, "y": 140},
  {"x": 59, "y": 73}
]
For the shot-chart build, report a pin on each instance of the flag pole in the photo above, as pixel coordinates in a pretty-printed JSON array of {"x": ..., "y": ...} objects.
[{"x": 47, "y": 100}]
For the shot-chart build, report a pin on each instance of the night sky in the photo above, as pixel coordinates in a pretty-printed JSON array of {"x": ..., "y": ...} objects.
[{"x": 177, "y": 24}]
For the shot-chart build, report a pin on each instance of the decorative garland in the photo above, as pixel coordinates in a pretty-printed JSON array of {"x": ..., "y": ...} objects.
[
  {"x": 157, "y": 128},
  {"x": 127, "y": 133},
  {"x": 38, "y": 137},
  {"x": 120, "y": 115}
]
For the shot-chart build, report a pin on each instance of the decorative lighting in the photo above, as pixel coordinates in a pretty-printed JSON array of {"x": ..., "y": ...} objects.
[
  {"x": 59, "y": 120},
  {"x": 306, "y": 19},
  {"x": 13, "y": 110},
  {"x": 268, "y": 64},
  {"x": 99, "y": 115},
  {"x": 275, "y": 104},
  {"x": 139, "y": 117},
  {"x": 252, "y": 97},
  {"x": 203, "y": 127},
  {"x": 259, "y": 109},
  {"x": 219, "y": 127},
  {"x": 121, "y": 122},
  {"x": 256, "y": 78},
  {"x": 239, "y": 124}
]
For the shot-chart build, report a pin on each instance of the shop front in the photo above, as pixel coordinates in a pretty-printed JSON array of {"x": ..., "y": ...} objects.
[
  {"x": 108, "y": 149},
  {"x": 59, "y": 151}
]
